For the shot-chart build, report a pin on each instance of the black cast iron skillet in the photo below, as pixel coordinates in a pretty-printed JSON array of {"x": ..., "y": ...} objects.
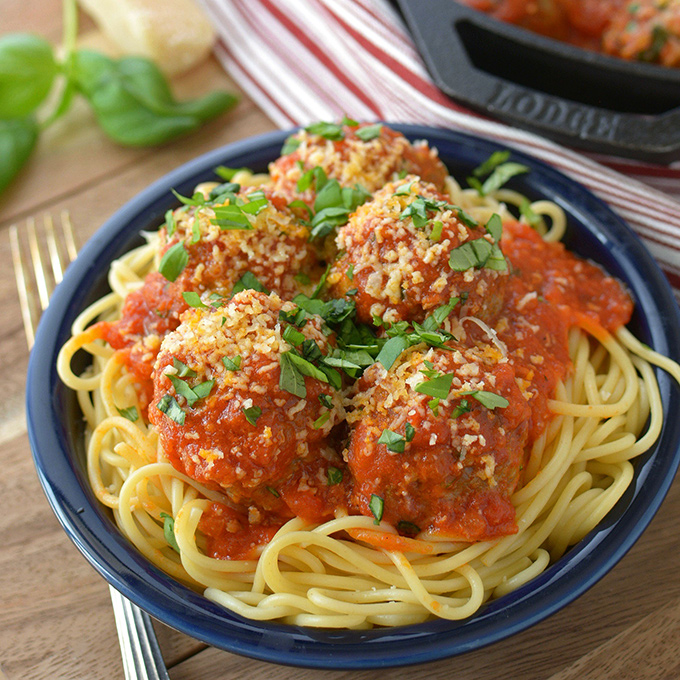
[{"x": 574, "y": 96}]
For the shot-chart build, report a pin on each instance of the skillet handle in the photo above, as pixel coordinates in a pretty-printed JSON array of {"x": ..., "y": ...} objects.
[{"x": 578, "y": 98}]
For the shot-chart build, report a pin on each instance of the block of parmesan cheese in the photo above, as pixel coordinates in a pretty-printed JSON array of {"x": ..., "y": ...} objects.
[{"x": 176, "y": 34}]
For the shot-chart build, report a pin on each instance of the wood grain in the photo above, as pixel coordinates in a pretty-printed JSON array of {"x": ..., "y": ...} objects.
[{"x": 55, "y": 612}]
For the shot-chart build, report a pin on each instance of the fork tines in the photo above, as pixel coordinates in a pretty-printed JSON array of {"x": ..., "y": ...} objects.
[{"x": 33, "y": 245}]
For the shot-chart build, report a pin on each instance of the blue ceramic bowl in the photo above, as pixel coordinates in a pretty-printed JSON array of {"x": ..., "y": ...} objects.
[{"x": 55, "y": 430}]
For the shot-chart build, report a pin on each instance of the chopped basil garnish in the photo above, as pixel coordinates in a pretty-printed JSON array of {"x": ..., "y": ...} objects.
[
  {"x": 228, "y": 173},
  {"x": 290, "y": 145},
  {"x": 302, "y": 278},
  {"x": 405, "y": 189},
  {"x": 331, "y": 131},
  {"x": 334, "y": 476},
  {"x": 193, "y": 299},
  {"x": 169, "y": 530},
  {"x": 191, "y": 394},
  {"x": 376, "y": 506},
  {"x": 197, "y": 200},
  {"x": 183, "y": 371},
  {"x": 498, "y": 170},
  {"x": 393, "y": 441},
  {"x": 322, "y": 420},
  {"x": 252, "y": 414},
  {"x": 350, "y": 272},
  {"x": 291, "y": 380},
  {"x": 462, "y": 407},
  {"x": 369, "y": 132},
  {"x": 130, "y": 413},
  {"x": 292, "y": 336},
  {"x": 273, "y": 491},
  {"x": 326, "y": 400},
  {"x": 410, "y": 432},
  {"x": 489, "y": 399},
  {"x": 433, "y": 405},
  {"x": 391, "y": 351},
  {"x": 173, "y": 262},
  {"x": 170, "y": 224},
  {"x": 408, "y": 528},
  {"x": 248, "y": 282},
  {"x": 438, "y": 387},
  {"x": 171, "y": 408},
  {"x": 232, "y": 364},
  {"x": 436, "y": 233}
]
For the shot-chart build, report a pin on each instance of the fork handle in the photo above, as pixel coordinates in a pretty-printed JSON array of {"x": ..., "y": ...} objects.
[{"x": 142, "y": 659}]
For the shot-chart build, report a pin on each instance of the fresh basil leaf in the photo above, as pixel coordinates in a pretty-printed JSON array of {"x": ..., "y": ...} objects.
[
  {"x": 291, "y": 380},
  {"x": 391, "y": 351},
  {"x": 334, "y": 476},
  {"x": 492, "y": 162},
  {"x": 369, "y": 132},
  {"x": 462, "y": 407},
  {"x": 438, "y": 387},
  {"x": 170, "y": 223},
  {"x": 193, "y": 299},
  {"x": 376, "y": 506},
  {"x": 322, "y": 420},
  {"x": 393, "y": 441},
  {"x": 291, "y": 144},
  {"x": 408, "y": 528},
  {"x": 248, "y": 282},
  {"x": 501, "y": 175},
  {"x": 27, "y": 71},
  {"x": 436, "y": 233},
  {"x": 350, "y": 122},
  {"x": 169, "y": 531},
  {"x": 202, "y": 390},
  {"x": 17, "y": 139},
  {"x": 133, "y": 103},
  {"x": 471, "y": 254},
  {"x": 252, "y": 414},
  {"x": 228, "y": 173},
  {"x": 131, "y": 413},
  {"x": 183, "y": 371},
  {"x": 330, "y": 131},
  {"x": 307, "y": 367},
  {"x": 231, "y": 216},
  {"x": 495, "y": 227},
  {"x": 232, "y": 364},
  {"x": 489, "y": 399},
  {"x": 292, "y": 336},
  {"x": 173, "y": 262},
  {"x": 171, "y": 408},
  {"x": 410, "y": 432}
]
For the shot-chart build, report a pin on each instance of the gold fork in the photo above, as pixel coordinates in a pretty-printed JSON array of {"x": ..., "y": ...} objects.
[{"x": 33, "y": 247}]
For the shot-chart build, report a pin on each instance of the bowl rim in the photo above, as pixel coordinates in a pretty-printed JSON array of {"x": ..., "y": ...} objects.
[{"x": 97, "y": 538}]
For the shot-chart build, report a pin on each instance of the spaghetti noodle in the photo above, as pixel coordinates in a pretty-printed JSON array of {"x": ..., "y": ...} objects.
[{"x": 424, "y": 424}]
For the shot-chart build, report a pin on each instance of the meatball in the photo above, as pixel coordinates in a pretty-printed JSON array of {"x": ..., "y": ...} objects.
[
  {"x": 369, "y": 162},
  {"x": 225, "y": 416},
  {"x": 397, "y": 249},
  {"x": 444, "y": 464}
]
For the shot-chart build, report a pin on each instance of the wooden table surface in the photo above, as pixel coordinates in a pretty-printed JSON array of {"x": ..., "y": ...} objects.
[{"x": 55, "y": 612}]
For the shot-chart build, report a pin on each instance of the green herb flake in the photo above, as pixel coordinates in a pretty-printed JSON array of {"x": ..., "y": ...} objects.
[
  {"x": 183, "y": 371},
  {"x": 433, "y": 405},
  {"x": 462, "y": 407},
  {"x": 405, "y": 189},
  {"x": 228, "y": 173},
  {"x": 292, "y": 336},
  {"x": 291, "y": 144},
  {"x": 171, "y": 409},
  {"x": 330, "y": 131},
  {"x": 252, "y": 414},
  {"x": 393, "y": 441},
  {"x": 131, "y": 413},
  {"x": 173, "y": 262},
  {"x": 334, "y": 476},
  {"x": 408, "y": 528},
  {"x": 391, "y": 351},
  {"x": 376, "y": 506},
  {"x": 326, "y": 400},
  {"x": 471, "y": 254},
  {"x": 436, "y": 233},
  {"x": 489, "y": 399},
  {"x": 170, "y": 224},
  {"x": 273, "y": 491},
  {"x": 169, "y": 531},
  {"x": 322, "y": 420},
  {"x": 248, "y": 282},
  {"x": 232, "y": 364},
  {"x": 350, "y": 272},
  {"x": 438, "y": 387},
  {"x": 369, "y": 132},
  {"x": 193, "y": 300},
  {"x": 290, "y": 379},
  {"x": 302, "y": 278},
  {"x": 410, "y": 432}
]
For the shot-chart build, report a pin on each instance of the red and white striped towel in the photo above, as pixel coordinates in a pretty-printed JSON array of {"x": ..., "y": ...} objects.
[{"x": 302, "y": 61}]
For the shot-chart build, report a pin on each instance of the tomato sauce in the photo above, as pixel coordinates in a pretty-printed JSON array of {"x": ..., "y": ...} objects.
[{"x": 643, "y": 30}]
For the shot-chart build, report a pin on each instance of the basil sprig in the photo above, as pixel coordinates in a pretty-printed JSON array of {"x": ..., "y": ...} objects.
[{"x": 130, "y": 97}]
